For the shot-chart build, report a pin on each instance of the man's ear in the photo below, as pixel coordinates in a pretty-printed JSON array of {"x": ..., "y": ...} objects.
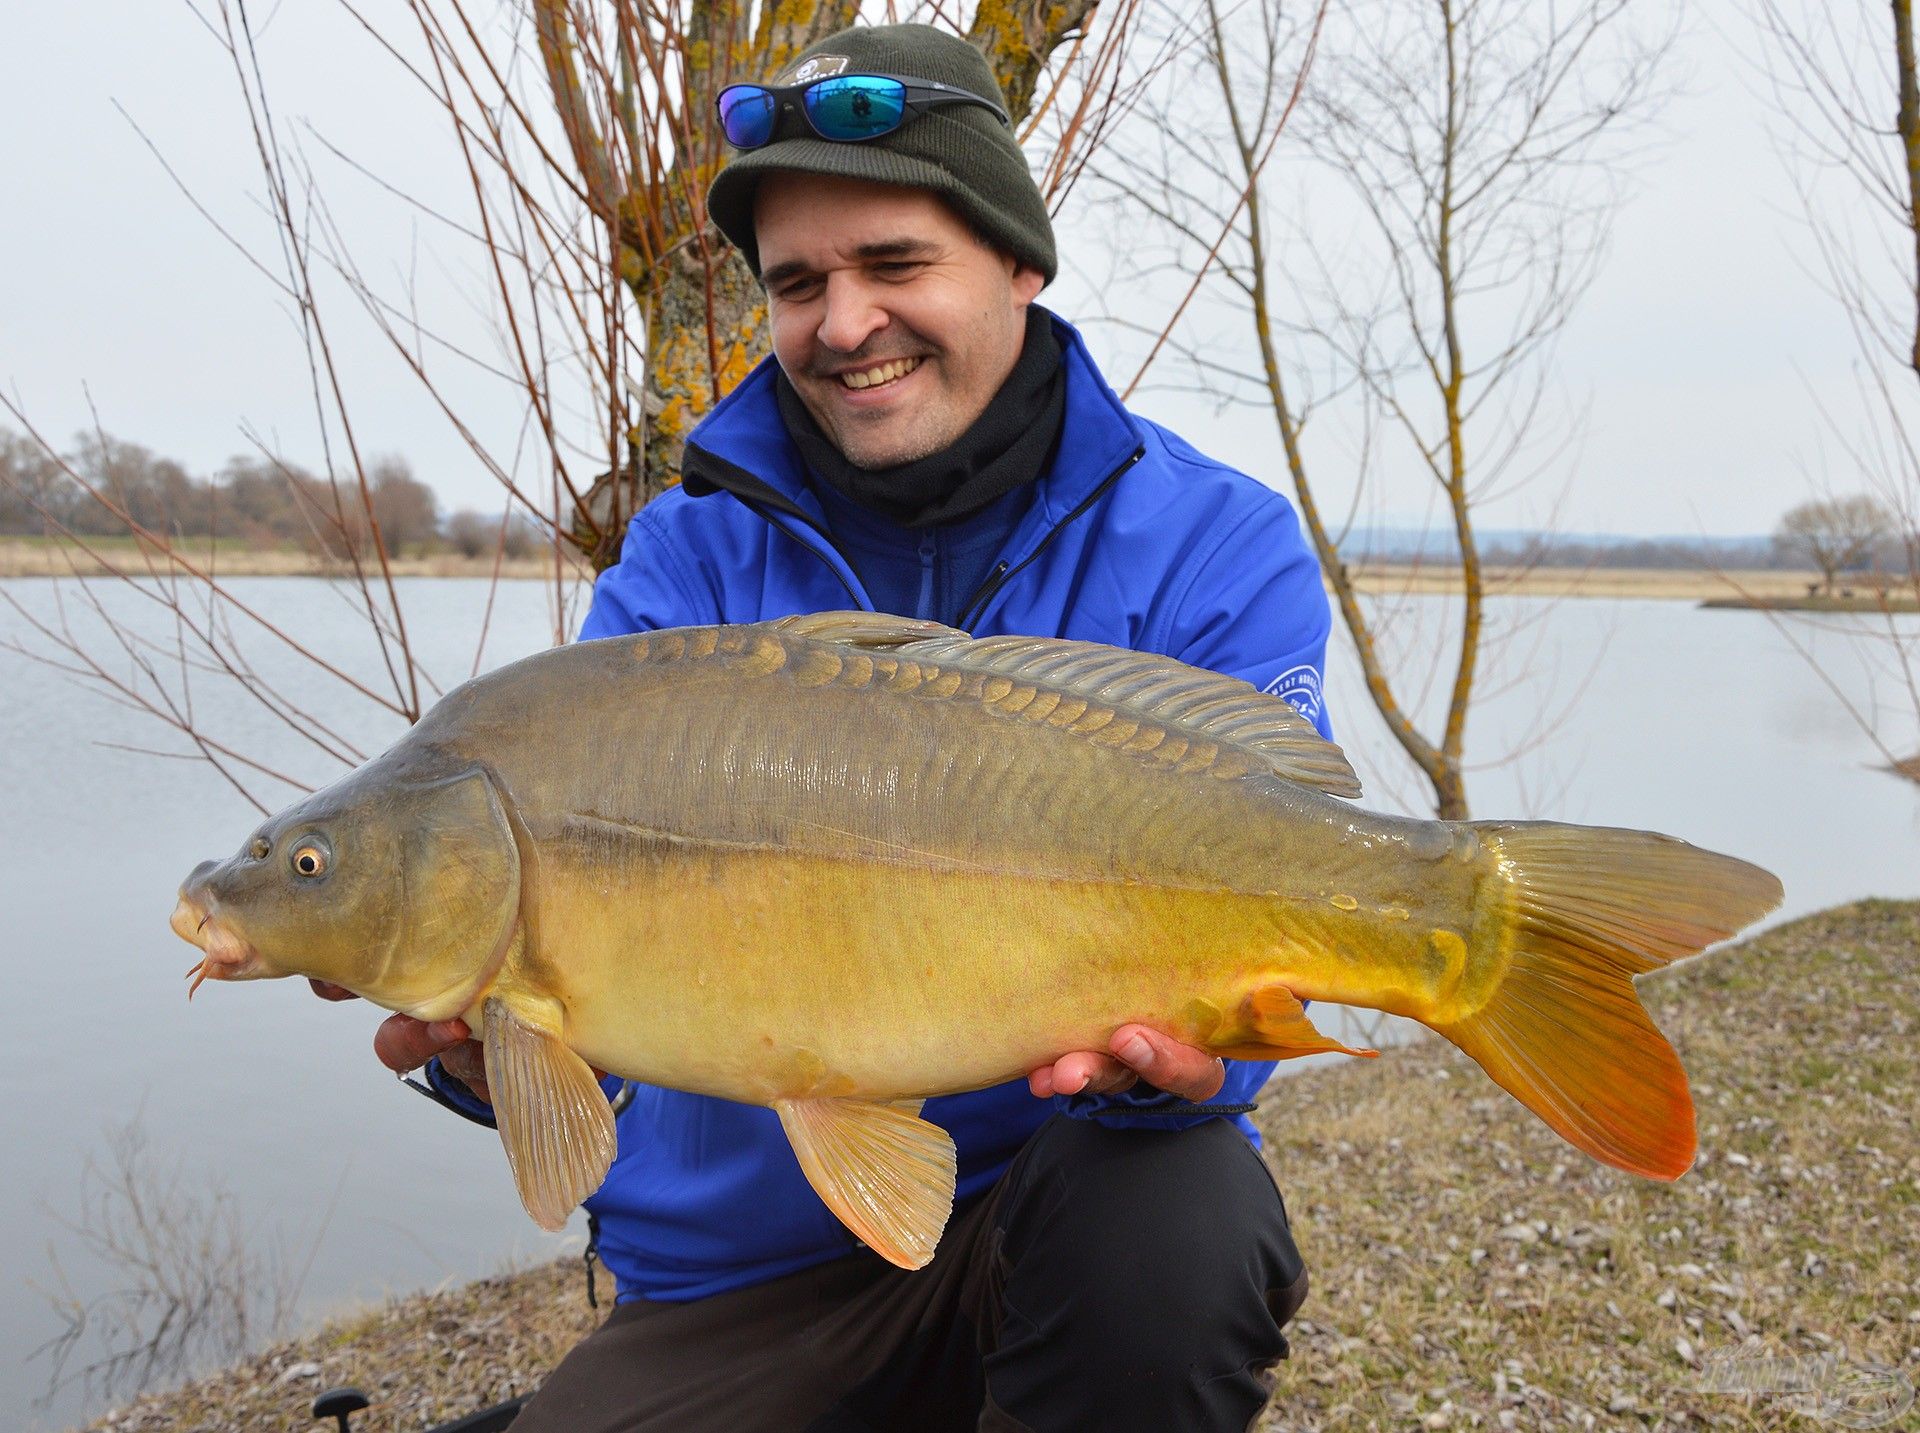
[{"x": 1027, "y": 283}]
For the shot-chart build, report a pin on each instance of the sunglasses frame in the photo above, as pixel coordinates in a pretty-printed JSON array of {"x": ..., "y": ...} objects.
[{"x": 919, "y": 96}]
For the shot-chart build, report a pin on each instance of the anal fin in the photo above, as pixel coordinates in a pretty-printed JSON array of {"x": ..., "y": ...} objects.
[
  {"x": 886, "y": 1173},
  {"x": 1271, "y": 1024},
  {"x": 553, "y": 1117}
]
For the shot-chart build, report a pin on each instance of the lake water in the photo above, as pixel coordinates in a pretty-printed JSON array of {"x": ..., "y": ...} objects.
[{"x": 1702, "y": 724}]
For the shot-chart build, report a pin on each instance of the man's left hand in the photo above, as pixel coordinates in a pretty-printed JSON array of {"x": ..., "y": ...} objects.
[{"x": 1138, "y": 1054}]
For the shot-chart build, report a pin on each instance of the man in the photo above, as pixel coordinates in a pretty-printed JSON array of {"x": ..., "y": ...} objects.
[{"x": 927, "y": 441}]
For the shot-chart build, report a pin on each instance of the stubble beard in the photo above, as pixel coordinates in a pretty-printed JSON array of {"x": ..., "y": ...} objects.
[{"x": 913, "y": 444}]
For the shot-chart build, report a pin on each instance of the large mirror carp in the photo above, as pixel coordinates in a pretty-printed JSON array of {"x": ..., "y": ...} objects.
[{"x": 839, "y": 863}]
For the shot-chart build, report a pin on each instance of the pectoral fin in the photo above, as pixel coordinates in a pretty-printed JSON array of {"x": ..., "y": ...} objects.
[
  {"x": 553, "y": 1117},
  {"x": 1272, "y": 1025},
  {"x": 887, "y": 1173}
]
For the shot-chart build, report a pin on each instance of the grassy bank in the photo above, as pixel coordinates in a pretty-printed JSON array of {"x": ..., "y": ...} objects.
[
  {"x": 1663, "y": 584},
  {"x": 1822, "y": 602},
  {"x": 1468, "y": 1265},
  {"x": 1469, "y": 1269},
  {"x": 43, "y": 557}
]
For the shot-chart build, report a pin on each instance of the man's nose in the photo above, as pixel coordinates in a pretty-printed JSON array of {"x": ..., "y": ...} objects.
[{"x": 852, "y": 316}]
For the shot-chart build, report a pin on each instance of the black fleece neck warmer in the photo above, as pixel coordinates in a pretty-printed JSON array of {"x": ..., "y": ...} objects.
[{"x": 1007, "y": 445}]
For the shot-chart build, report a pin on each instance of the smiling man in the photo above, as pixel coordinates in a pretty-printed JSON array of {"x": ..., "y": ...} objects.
[{"x": 927, "y": 440}]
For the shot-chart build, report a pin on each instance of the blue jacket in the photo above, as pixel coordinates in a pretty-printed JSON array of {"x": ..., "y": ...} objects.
[{"x": 1131, "y": 538}]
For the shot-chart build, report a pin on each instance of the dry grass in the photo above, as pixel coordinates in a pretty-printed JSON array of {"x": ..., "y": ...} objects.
[
  {"x": 1613, "y": 582},
  {"x": 1469, "y": 1269},
  {"x": 1472, "y": 1271},
  {"x": 37, "y": 557},
  {"x": 423, "y": 1359}
]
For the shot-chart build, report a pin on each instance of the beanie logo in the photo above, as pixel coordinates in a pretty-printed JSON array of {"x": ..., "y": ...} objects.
[{"x": 818, "y": 68}]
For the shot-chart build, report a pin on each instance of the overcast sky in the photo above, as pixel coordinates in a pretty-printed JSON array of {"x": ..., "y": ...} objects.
[{"x": 1692, "y": 355}]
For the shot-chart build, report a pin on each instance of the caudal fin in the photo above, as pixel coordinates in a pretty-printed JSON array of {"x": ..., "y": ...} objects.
[{"x": 1587, "y": 909}]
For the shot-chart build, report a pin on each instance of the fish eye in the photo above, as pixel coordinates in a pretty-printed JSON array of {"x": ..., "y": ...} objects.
[
  {"x": 310, "y": 858},
  {"x": 260, "y": 849}
]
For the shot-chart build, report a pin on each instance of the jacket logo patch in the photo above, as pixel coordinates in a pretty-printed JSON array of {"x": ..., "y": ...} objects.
[
  {"x": 1301, "y": 686},
  {"x": 818, "y": 68}
]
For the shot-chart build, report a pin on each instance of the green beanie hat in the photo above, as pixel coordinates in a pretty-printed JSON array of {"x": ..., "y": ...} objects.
[{"x": 963, "y": 153}]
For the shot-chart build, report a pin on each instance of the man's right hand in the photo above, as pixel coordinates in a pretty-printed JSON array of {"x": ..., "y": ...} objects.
[{"x": 403, "y": 1043}]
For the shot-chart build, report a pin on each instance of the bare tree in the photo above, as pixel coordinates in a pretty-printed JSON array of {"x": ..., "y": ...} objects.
[
  {"x": 33, "y": 490},
  {"x": 196, "y": 1283},
  {"x": 474, "y": 534},
  {"x": 1463, "y": 159},
  {"x": 633, "y": 89},
  {"x": 587, "y": 141},
  {"x": 1834, "y": 535},
  {"x": 1849, "y": 105},
  {"x": 403, "y": 508}
]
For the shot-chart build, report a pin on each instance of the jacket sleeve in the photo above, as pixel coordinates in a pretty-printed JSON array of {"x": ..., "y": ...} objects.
[
  {"x": 651, "y": 586},
  {"x": 1254, "y": 609},
  {"x": 644, "y": 590}
]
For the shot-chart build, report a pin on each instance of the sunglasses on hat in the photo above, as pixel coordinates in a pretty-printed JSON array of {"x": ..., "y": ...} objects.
[{"x": 846, "y": 108}]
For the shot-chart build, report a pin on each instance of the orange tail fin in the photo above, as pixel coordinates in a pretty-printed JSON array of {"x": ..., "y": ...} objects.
[{"x": 1564, "y": 1033}]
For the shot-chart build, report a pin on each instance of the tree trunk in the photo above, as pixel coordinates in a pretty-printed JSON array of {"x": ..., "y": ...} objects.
[{"x": 1907, "y": 126}]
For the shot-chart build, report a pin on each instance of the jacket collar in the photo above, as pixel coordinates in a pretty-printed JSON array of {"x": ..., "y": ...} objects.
[{"x": 741, "y": 447}]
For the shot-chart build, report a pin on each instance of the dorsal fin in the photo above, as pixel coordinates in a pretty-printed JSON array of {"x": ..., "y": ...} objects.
[
  {"x": 1144, "y": 685},
  {"x": 873, "y": 631},
  {"x": 1155, "y": 688}
]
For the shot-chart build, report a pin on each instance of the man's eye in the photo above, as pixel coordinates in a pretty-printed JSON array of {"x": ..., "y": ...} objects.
[
  {"x": 797, "y": 290},
  {"x": 899, "y": 269}
]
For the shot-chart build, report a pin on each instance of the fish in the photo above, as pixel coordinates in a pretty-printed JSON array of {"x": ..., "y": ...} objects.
[{"x": 838, "y": 863}]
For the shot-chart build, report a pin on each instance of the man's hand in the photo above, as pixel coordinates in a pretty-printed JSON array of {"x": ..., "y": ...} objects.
[
  {"x": 1138, "y": 1054},
  {"x": 403, "y": 1043}
]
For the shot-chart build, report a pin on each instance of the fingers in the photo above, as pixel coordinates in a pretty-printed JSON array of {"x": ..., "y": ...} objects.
[
  {"x": 1083, "y": 1072},
  {"x": 1139, "y": 1053},
  {"x": 1168, "y": 1065},
  {"x": 403, "y": 1043},
  {"x": 327, "y": 990},
  {"x": 467, "y": 1063}
]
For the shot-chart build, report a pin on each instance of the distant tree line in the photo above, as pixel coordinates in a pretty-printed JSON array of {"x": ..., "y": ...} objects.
[
  {"x": 1647, "y": 553},
  {"x": 1831, "y": 536},
  {"x": 105, "y": 484}
]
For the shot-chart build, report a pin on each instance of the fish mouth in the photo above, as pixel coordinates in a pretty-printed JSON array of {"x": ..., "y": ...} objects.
[{"x": 226, "y": 955}]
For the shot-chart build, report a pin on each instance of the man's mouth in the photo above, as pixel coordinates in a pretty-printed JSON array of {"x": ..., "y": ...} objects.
[{"x": 892, "y": 371}]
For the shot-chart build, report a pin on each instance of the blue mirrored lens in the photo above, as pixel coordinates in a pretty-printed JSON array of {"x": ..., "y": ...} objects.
[
  {"x": 746, "y": 115},
  {"x": 856, "y": 107}
]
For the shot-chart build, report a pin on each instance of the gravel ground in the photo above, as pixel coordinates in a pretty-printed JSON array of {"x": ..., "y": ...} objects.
[{"x": 1470, "y": 1271}]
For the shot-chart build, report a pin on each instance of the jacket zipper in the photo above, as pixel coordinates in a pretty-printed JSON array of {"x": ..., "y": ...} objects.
[
  {"x": 863, "y": 603},
  {"x": 1003, "y": 574},
  {"x": 928, "y": 552}
]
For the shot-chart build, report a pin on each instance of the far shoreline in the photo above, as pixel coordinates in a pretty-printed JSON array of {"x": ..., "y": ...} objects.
[
  {"x": 1751, "y": 589},
  {"x": 1743, "y": 589},
  {"x": 36, "y": 557}
]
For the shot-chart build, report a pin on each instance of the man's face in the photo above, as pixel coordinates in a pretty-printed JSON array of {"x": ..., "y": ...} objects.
[{"x": 894, "y": 324}]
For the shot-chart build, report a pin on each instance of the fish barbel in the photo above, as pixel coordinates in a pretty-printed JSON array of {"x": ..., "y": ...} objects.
[{"x": 838, "y": 863}]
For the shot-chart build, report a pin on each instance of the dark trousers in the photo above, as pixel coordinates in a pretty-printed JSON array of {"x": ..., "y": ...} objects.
[{"x": 1112, "y": 1279}]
